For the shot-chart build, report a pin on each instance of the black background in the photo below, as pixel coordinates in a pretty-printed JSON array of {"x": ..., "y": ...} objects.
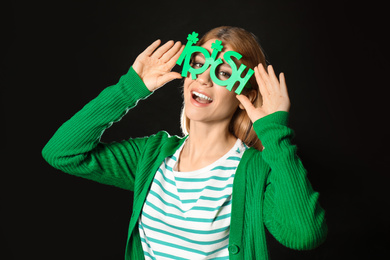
[{"x": 58, "y": 55}]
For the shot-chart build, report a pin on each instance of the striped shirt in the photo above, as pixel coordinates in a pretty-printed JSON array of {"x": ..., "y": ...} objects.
[{"x": 186, "y": 215}]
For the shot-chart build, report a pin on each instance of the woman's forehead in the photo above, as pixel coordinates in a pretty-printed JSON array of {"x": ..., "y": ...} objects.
[{"x": 207, "y": 45}]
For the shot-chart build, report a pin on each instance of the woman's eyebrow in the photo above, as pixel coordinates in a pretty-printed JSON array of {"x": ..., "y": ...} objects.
[
  {"x": 198, "y": 55},
  {"x": 224, "y": 65}
]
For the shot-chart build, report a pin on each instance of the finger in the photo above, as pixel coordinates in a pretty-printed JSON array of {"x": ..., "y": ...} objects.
[
  {"x": 264, "y": 75},
  {"x": 169, "y": 77},
  {"x": 262, "y": 86},
  {"x": 172, "y": 61},
  {"x": 246, "y": 103},
  {"x": 253, "y": 112},
  {"x": 171, "y": 52},
  {"x": 283, "y": 85},
  {"x": 163, "y": 49},
  {"x": 150, "y": 49},
  {"x": 272, "y": 76}
]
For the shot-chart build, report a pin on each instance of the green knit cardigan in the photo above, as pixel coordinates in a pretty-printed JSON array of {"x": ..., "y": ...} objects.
[{"x": 270, "y": 188}]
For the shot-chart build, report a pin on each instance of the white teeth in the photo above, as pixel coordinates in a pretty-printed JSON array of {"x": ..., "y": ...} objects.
[{"x": 202, "y": 96}]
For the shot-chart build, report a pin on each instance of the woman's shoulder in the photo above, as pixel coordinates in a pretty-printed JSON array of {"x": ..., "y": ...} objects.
[
  {"x": 162, "y": 140},
  {"x": 253, "y": 159},
  {"x": 165, "y": 136},
  {"x": 250, "y": 154}
]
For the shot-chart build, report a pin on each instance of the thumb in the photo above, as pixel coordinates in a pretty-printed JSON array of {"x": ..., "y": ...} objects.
[
  {"x": 167, "y": 78},
  {"x": 245, "y": 103},
  {"x": 253, "y": 112}
]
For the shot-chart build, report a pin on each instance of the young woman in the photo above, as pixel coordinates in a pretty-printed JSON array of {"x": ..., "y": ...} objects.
[{"x": 212, "y": 193}]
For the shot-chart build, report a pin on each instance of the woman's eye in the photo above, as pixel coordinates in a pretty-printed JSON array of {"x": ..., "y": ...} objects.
[
  {"x": 197, "y": 65},
  {"x": 224, "y": 75}
]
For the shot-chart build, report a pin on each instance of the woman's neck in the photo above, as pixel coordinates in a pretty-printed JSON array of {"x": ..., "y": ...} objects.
[{"x": 206, "y": 144}]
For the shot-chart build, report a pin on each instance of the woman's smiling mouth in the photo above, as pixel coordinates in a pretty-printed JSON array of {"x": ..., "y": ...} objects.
[{"x": 201, "y": 98}]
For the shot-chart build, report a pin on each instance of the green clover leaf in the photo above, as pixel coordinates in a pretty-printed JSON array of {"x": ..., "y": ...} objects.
[
  {"x": 217, "y": 45},
  {"x": 193, "y": 37}
]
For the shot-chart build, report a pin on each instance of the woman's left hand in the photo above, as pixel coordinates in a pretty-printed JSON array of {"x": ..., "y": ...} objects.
[{"x": 274, "y": 94}]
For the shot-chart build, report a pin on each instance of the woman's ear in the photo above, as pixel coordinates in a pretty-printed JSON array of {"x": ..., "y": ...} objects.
[{"x": 251, "y": 95}]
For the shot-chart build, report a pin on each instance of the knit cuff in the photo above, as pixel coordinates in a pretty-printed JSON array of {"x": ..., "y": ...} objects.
[
  {"x": 134, "y": 86},
  {"x": 279, "y": 118},
  {"x": 272, "y": 129}
]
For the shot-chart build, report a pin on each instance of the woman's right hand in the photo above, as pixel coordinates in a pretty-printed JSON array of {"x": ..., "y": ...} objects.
[{"x": 154, "y": 64}]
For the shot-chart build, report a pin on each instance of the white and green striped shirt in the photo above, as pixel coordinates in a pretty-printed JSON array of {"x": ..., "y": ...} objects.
[{"x": 186, "y": 215}]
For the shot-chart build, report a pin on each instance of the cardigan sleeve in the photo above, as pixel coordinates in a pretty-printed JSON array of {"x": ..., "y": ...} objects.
[
  {"x": 292, "y": 212},
  {"x": 76, "y": 149}
]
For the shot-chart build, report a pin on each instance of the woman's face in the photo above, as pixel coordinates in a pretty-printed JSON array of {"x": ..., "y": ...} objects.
[{"x": 204, "y": 100}]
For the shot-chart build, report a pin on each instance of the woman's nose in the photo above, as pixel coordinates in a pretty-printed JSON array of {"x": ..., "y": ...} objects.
[{"x": 205, "y": 79}]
